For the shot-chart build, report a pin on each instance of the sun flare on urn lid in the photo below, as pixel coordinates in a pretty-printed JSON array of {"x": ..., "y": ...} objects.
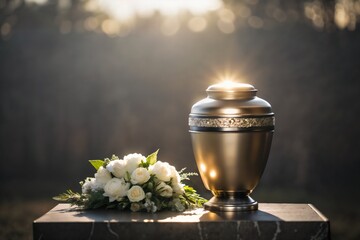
[{"x": 231, "y": 90}]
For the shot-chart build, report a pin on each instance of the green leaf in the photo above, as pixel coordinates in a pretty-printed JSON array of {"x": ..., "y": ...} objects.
[
  {"x": 70, "y": 197},
  {"x": 150, "y": 186},
  {"x": 97, "y": 163},
  {"x": 96, "y": 200},
  {"x": 144, "y": 164},
  {"x": 152, "y": 158},
  {"x": 127, "y": 176},
  {"x": 185, "y": 176}
]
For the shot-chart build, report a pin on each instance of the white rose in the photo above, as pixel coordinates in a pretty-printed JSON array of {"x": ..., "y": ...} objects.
[
  {"x": 175, "y": 177},
  {"x": 133, "y": 160},
  {"x": 136, "y": 194},
  {"x": 178, "y": 188},
  {"x": 102, "y": 177},
  {"x": 117, "y": 167},
  {"x": 115, "y": 189},
  {"x": 162, "y": 171},
  {"x": 97, "y": 185},
  {"x": 164, "y": 190},
  {"x": 140, "y": 176},
  {"x": 89, "y": 184}
]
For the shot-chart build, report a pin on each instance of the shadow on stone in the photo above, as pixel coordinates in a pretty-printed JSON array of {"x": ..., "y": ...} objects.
[{"x": 239, "y": 216}]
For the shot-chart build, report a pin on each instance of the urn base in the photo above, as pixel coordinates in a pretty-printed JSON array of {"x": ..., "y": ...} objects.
[{"x": 231, "y": 203}]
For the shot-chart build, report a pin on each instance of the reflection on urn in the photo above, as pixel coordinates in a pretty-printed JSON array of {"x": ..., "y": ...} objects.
[{"x": 231, "y": 132}]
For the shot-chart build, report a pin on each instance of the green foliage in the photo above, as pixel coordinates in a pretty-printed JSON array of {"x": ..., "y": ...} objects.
[
  {"x": 182, "y": 170},
  {"x": 92, "y": 200},
  {"x": 192, "y": 197},
  {"x": 185, "y": 176},
  {"x": 150, "y": 185},
  {"x": 97, "y": 163},
  {"x": 127, "y": 176},
  {"x": 71, "y": 197},
  {"x": 150, "y": 160},
  {"x": 96, "y": 200}
]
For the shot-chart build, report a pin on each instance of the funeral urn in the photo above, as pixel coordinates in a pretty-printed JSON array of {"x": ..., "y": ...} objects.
[{"x": 231, "y": 133}]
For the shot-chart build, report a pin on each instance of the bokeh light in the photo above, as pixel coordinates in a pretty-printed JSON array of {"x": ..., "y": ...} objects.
[
  {"x": 100, "y": 15},
  {"x": 255, "y": 22},
  {"x": 197, "y": 24},
  {"x": 5, "y": 29},
  {"x": 226, "y": 27},
  {"x": 170, "y": 26}
]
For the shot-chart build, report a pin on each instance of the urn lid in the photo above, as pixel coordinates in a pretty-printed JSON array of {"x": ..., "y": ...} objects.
[
  {"x": 231, "y": 104},
  {"x": 231, "y": 90}
]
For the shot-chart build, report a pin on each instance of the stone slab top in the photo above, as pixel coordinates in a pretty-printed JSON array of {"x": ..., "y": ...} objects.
[{"x": 274, "y": 212}]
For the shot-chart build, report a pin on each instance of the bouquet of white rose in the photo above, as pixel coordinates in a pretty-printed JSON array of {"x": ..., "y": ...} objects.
[{"x": 137, "y": 183}]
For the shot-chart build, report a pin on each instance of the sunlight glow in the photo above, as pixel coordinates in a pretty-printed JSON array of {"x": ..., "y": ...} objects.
[
  {"x": 228, "y": 83},
  {"x": 226, "y": 76},
  {"x": 346, "y": 14},
  {"x": 203, "y": 167},
  {"x": 228, "y": 80},
  {"x": 127, "y": 9},
  {"x": 213, "y": 174},
  {"x": 196, "y": 15},
  {"x": 38, "y": 2},
  {"x": 187, "y": 216},
  {"x": 149, "y": 220}
]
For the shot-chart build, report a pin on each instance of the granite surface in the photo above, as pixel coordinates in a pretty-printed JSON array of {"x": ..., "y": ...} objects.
[{"x": 272, "y": 221}]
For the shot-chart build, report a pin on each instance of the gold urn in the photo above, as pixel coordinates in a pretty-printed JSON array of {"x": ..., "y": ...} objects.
[{"x": 231, "y": 132}]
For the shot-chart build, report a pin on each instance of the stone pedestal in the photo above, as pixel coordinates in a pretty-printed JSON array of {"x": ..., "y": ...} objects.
[{"x": 271, "y": 221}]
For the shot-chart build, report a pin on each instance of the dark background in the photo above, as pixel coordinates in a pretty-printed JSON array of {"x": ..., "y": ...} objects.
[{"x": 67, "y": 98}]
